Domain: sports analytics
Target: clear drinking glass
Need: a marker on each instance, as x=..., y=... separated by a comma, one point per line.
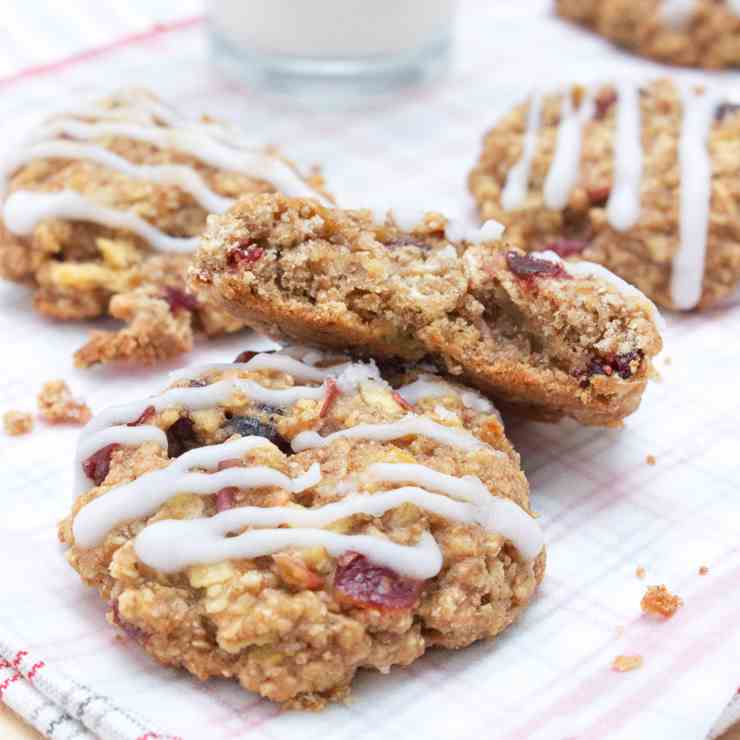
x=350, y=45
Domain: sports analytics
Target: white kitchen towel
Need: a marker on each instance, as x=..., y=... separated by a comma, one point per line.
x=605, y=511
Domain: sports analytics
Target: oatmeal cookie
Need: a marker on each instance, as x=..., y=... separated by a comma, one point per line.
x=702, y=33
x=644, y=180
x=289, y=518
x=102, y=206
x=546, y=339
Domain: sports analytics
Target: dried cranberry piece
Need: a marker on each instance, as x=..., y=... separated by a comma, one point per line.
x=360, y=583
x=244, y=254
x=179, y=300
x=402, y=402
x=181, y=437
x=245, y=356
x=567, y=247
x=599, y=196
x=97, y=466
x=146, y=414
x=603, y=103
x=527, y=267
x=247, y=426
x=226, y=498
x=332, y=393
x=198, y=383
x=724, y=110
x=621, y=364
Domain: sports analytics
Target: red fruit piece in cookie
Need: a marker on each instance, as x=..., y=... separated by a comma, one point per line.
x=226, y=498
x=360, y=583
x=96, y=466
x=146, y=414
x=179, y=300
x=244, y=255
x=526, y=267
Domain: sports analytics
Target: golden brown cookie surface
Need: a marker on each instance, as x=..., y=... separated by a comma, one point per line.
x=547, y=339
x=102, y=207
x=291, y=518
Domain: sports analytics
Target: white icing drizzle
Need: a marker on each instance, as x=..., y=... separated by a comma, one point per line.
x=158, y=545
x=687, y=275
x=408, y=426
x=563, y=172
x=623, y=208
x=196, y=141
x=170, y=546
x=585, y=269
x=517, y=182
x=428, y=386
x=493, y=513
x=138, y=117
x=143, y=496
x=184, y=177
x=24, y=209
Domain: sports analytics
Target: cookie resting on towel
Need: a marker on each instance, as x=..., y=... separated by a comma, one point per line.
x=101, y=209
x=544, y=338
x=644, y=180
x=289, y=518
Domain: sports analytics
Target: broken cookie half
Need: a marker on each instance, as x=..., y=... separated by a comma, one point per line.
x=548, y=339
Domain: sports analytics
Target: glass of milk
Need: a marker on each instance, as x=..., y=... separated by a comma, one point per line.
x=359, y=45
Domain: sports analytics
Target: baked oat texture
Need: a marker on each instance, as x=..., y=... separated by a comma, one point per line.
x=643, y=254
x=546, y=345
x=82, y=270
x=710, y=39
x=283, y=625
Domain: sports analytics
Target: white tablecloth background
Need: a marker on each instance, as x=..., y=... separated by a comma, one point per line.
x=604, y=510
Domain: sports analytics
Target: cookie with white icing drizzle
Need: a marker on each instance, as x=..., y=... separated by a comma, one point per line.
x=101, y=207
x=651, y=192
x=545, y=340
x=289, y=518
x=695, y=33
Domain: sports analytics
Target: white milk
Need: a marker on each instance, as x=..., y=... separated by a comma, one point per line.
x=331, y=29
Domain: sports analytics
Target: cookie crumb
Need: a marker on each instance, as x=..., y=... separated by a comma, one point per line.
x=667, y=361
x=703, y=570
x=624, y=663
x=640, y=572
x=659, y=601
x=17, y=423
x=58, y=406
x=650, y=460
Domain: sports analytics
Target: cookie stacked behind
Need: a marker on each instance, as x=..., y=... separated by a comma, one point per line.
x=697, y=33
x=101, y=209
x=547, y=338
x=291, y=517
x=644, y=180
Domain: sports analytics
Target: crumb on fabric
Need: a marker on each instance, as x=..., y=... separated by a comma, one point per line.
x=659, y=601
x=57, y=405
x=650, y=460
x=17, y=422
x=703, y=570
x=624, y=663
x=667, y=361
x=640, y=572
